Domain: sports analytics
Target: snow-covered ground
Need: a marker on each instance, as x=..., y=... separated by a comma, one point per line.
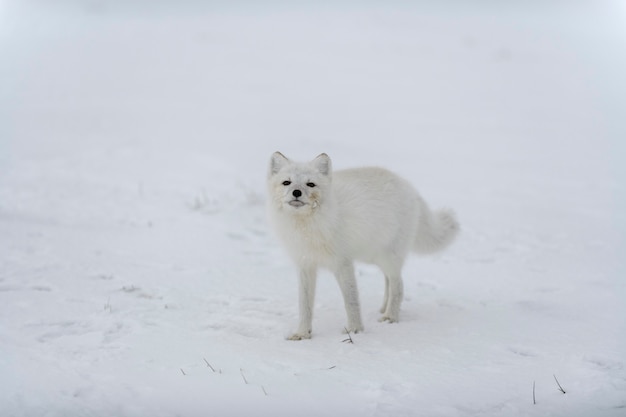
x=134, y=251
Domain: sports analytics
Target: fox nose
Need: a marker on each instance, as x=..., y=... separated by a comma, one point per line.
x=296, y=193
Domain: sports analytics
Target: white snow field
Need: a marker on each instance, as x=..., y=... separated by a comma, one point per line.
x=134, y=247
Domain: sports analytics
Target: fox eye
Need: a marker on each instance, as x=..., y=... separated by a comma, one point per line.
x=286, y=183
x=310, y=184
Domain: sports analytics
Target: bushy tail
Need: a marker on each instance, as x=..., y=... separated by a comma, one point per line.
x=436, y=231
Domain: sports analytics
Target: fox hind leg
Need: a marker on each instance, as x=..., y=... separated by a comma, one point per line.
x=394, y=293
x=385, y=296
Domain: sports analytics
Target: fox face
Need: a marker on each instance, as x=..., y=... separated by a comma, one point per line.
x=298, y=187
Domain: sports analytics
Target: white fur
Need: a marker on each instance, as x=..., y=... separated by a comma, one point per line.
x=363, y=214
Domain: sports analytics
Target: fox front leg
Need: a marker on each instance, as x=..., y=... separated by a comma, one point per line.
x=350, y=292
x=308, y=278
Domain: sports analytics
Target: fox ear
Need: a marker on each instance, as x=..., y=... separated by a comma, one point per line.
x=277, y=162
x=322, y=164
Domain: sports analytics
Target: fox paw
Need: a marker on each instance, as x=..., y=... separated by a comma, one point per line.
x=353, y=329
x=388, y=319
x=300, y=336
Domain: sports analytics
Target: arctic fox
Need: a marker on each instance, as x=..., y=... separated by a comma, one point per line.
x=331, y=219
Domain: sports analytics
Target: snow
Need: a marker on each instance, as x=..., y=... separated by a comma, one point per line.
x=134, y=249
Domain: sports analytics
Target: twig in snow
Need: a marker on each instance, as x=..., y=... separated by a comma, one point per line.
x=264, y=392
x=243, y=376
x=560, y=387
x=349, y=339
x=209, y=365
x=534, y=400
x=181, y=370
x=107, y=306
